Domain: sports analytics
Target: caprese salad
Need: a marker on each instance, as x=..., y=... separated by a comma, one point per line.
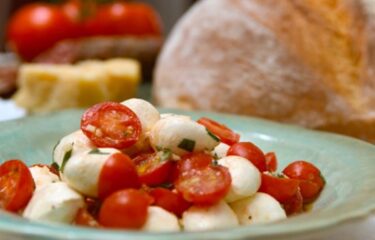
x=129, y=167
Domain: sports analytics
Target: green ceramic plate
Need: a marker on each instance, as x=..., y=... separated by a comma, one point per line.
x=347, y=164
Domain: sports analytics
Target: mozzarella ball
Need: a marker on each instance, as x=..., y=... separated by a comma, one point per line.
x=75, y=142
x=145, y=111
x=220, y=150
x=181, y=135
x=167, y=115
x=43, y=176
x=259, y=208
x=246, y=178
x=148, y=115
x=160, y=220
x=82, y=171
x=55, y=202
x=202, y=218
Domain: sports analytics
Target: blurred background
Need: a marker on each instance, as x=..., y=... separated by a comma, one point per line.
x=169, y=11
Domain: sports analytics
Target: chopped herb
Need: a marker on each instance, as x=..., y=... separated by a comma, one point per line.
x=216, y=157
x=215, y=162
x=166, y=185
x=213, y=135
x=158, y=148
x=55, y=166
x=166, y=155
x=277, y=175
x=67, y=156
x=97, y=151
x=187, y=144
x=54, y=148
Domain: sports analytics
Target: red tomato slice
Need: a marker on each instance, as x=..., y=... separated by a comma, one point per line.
x=251, y=152
x=225, y=134
x=85, y=219
x=310, y=177
x=170, y=201
x=271, y=162
x=125, y=209
x=191, y=161
x=16, y=185
x=204, y=186
x=152, y=169
x=194, y=161
x=118, y=172
x=281, y=188
x=294, y=205
x=111, y=125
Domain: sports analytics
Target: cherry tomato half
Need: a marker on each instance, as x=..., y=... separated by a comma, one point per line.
x=152, y=169
x=125, y=209
x=204, y=186
x=190, y=161
x=271, y=162
x=310, y=177
x=35, y=28
x=85, y=219
x=16, y=185
x=225, y=134
x=170, y=201
x=294, y=204
x=118, y=172
x=281, y=188
x=251, y=152
x=111, y=125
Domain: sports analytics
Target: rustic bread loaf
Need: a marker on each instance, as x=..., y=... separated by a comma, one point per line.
x=308, y=62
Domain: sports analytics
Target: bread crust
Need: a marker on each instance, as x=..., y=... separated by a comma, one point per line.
x=305, y=62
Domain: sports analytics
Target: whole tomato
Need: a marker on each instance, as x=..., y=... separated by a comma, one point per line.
x=36, y=27
x=120, y=18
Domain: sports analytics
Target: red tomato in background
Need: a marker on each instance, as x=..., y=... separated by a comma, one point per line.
x=309, y=176
x=170, y=201
x=16, y=185
x=225, y=134
x=112, y=125
x=36, y=27
x=251, y=152
x=271, y=161
x=204, y=186
x=152, y=169
x=120, y=18
x=118, y=172
x=281, y=188
x=125, y=209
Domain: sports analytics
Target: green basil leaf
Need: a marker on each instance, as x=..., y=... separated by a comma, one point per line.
x=187, y=144
x=97, y=151
x=166, y=155
x=55, y=166
x=66, y=158
x=166, y=185
x=213, y=136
